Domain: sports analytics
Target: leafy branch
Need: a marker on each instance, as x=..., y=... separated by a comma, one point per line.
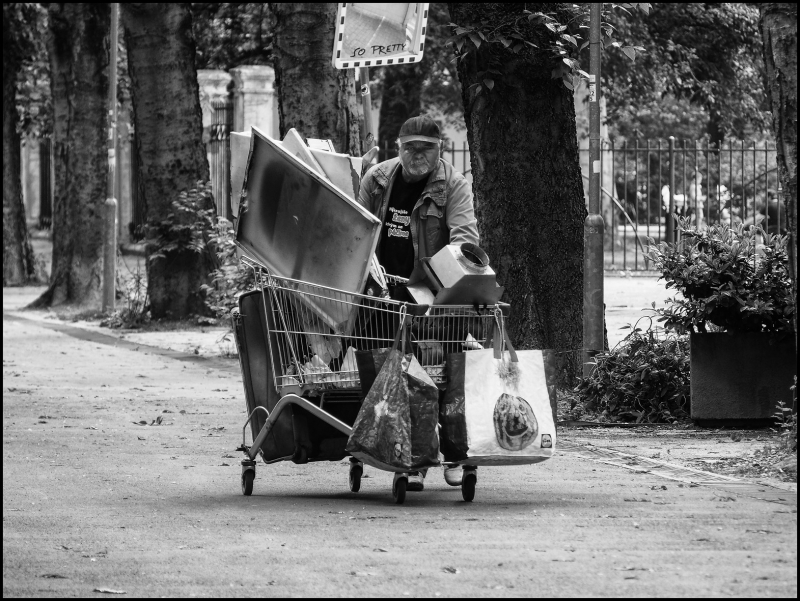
x=567, y=41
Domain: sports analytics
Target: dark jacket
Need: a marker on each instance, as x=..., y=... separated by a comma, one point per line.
x=444, y=212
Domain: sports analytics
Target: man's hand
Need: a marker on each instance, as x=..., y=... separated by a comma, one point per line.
x=369, y=159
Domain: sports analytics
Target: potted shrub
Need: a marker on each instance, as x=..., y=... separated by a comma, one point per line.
x=736, y=304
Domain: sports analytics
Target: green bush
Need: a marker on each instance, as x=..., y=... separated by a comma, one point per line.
x=230, y=278
x=645, y=378
x=728, y=278
x=188, y=227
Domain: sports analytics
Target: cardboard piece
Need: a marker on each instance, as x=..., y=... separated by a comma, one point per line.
x=240, y=149
x=343, y=170
x=294, y=143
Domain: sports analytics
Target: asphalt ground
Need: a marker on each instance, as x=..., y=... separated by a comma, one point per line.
x=95, y=500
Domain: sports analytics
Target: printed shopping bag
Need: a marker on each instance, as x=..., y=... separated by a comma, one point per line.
x=395, y=429
x=497, y=406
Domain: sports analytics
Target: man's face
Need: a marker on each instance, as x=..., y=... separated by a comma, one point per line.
x=419, y=158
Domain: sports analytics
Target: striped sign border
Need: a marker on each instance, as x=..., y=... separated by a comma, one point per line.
x=398, y=59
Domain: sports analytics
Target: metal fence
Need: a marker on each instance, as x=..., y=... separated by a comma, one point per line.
x=645, y=181
x=219, y=155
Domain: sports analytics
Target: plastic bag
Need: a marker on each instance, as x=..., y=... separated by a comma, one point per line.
x=498, y=406
x=395, y=429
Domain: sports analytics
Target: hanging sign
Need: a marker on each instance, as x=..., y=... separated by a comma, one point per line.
x=373, y=35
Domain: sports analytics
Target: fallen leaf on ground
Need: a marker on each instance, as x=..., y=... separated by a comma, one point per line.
x=378, y=549
x=110, y=591
x=450, y=570
x=53, y=576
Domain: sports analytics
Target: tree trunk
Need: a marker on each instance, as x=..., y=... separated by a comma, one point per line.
x=527, y=185
x=313, y=97
x=401, y=99
x=170, y=151
x=79, y=58
x=18, y=264
x=779, y=31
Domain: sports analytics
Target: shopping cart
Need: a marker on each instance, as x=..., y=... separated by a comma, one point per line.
x=297, y=343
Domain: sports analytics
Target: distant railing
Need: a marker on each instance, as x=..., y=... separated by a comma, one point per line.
x=643, y=182
x=219, y=153
x=736, y=182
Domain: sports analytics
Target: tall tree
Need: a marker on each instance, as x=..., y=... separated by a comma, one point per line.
x=79, y=59
x=693, y=53
x=172, y=158
x=232, y=34
x=779, y=30
x=313, y=97
x=526, y=173
x=20, y=23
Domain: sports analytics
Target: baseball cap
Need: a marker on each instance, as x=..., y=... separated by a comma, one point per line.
x=422, y=129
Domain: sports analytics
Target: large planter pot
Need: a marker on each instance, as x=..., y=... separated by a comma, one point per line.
x=740, y=376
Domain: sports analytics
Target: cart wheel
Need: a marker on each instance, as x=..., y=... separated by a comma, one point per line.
x=355, y=477
x=468, y=487
x=247, y=482
x=399, y=490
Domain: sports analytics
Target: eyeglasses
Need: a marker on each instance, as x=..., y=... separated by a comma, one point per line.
x=415, y=147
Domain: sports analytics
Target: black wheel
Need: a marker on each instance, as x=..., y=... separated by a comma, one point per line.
x=247, y=482
x=468, y=487
x=399, y=490
x=355, y=477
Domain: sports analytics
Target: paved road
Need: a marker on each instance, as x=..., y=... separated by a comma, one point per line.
x=93, y=500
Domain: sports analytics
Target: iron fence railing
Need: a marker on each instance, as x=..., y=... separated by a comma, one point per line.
x=643, y=182
x=219, y=154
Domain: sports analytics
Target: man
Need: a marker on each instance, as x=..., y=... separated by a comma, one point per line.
x=424, y=204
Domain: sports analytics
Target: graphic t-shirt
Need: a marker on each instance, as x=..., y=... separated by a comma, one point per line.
x=396, y=250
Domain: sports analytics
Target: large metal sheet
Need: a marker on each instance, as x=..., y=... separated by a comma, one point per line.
x=300, y=226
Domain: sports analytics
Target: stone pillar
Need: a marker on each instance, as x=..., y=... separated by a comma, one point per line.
x=214, y=85
x=254, y=99
x=29, y=176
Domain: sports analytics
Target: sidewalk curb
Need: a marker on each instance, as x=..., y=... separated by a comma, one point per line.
x=230, y=366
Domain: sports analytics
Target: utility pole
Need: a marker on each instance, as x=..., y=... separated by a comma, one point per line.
x=366, y=102
x=593, y=226
x=110, y=222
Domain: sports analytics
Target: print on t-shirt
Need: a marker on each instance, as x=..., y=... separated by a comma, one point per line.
x=396, y=248
x=399, y=224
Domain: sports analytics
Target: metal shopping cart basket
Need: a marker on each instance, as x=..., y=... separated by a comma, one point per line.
x=296, y=344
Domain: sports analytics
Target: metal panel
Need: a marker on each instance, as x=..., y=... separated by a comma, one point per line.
x=342, y=169
x=298, y=225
